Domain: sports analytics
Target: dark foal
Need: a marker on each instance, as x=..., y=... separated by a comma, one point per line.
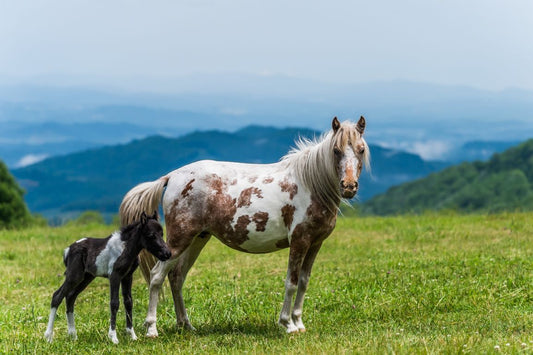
x=114, y=257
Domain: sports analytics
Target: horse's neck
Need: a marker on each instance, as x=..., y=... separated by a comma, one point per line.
x=316, y=171
x=132, y=245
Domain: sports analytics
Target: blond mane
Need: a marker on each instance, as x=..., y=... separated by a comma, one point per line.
x=313, y=161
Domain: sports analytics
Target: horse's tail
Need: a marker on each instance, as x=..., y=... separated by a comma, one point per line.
x=144, y=197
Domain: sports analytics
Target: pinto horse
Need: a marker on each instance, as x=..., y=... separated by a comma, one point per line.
x=254, y=208
x=114, y=257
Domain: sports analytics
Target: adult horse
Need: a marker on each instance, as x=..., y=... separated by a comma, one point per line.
x=254, y=208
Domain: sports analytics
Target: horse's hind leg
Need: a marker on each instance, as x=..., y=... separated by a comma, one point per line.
x=157, y=277
x=178, y=275
x=71, y=299
x=305, y=274
x=73, y=276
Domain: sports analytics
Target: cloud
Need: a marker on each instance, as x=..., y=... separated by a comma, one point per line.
x=30, y=159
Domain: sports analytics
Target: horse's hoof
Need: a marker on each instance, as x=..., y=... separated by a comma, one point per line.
x=49, y=337
x=301, y=330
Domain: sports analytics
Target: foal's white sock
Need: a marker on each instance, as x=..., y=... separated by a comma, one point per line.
x=49, y=334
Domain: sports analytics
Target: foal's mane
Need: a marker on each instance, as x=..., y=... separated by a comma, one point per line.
x=313, y=161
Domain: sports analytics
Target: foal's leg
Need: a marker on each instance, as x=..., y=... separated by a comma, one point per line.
x=305, y=273
x=178, y=275
x=70, y=299
x=73, y=276
x=128, y=303
x=114, y=286
x=298, y=250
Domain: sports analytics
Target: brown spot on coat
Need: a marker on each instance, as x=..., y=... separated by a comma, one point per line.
x=241, y=229
x=287, y=212
x=260, y=219
x=291, y=188
x=252, y=179
x=245, y=198
x=187, y=188
x=268, y=180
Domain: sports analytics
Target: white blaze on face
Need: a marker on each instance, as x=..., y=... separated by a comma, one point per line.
x=349, y=166
x=107, y=257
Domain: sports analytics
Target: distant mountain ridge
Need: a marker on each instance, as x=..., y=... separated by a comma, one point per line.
x=503, y=183
x=98, y=178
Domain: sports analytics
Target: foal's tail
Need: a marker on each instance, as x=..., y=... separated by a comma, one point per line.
x=144, y=197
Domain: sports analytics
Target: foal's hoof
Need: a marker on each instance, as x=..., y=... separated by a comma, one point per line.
x=112, y=334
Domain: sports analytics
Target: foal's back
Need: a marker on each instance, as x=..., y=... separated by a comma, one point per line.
x=99, y=254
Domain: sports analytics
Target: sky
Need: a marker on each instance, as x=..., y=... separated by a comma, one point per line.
x=149, y=45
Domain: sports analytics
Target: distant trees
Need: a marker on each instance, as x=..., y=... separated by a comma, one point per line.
x=504, y=183
x=13, y=210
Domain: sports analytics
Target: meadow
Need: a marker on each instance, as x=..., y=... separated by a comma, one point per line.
x=435, y=283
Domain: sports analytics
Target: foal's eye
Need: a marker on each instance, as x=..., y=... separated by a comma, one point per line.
x=362, y=151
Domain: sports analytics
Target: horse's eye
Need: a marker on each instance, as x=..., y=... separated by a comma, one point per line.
x=362, y=151
x=337, y=151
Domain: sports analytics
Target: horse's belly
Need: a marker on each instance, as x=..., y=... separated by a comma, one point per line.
x=254, y=235
x=264, y=243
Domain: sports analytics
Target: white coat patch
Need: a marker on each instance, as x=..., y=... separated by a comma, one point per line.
x=107, y=257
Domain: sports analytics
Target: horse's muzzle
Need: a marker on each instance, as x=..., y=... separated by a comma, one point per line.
x=349, y=190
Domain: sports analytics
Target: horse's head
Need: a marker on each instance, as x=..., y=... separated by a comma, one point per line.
x=152, y=237
x=351, y=153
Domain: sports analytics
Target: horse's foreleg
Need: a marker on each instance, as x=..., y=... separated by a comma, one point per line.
x=128, y=304
x=178, y=275
x=305, y=274
x=298, y=250
x=114, y=286
x=157, y=277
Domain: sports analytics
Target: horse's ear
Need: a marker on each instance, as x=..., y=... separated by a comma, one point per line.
x=144, y=218
x=155, y=216
x=335, y=124
x=361, y=124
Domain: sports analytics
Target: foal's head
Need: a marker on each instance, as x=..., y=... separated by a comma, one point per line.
x=351, y=153
x=151, y=237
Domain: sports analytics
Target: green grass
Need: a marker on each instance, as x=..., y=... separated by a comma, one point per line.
x=436, y=283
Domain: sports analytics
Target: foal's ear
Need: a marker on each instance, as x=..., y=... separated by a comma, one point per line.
x=361, y=124
x=144, y=218
x=335, y=124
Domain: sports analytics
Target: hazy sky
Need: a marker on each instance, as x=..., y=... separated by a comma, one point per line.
x=482, y=43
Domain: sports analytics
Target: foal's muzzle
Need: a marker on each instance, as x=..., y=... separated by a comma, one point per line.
x=165, y=255
x=349, y=189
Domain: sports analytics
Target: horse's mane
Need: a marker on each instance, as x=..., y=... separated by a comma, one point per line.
x=313, y=161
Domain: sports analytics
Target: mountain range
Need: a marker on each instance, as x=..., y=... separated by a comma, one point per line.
x=98, y=178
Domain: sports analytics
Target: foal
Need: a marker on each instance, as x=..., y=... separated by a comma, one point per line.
x=114, y=257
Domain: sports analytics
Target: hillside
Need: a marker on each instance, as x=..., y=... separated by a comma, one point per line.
x=99, y=178
x=505, y=182
x=13, y=211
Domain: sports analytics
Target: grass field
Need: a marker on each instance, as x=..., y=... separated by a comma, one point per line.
x=437, y=283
